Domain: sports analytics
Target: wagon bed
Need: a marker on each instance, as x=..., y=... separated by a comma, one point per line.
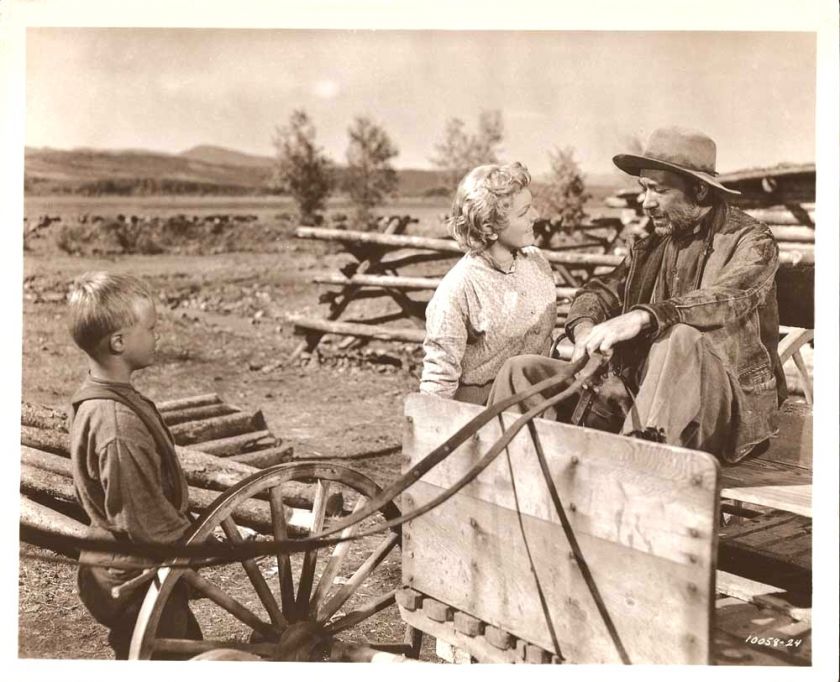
x=679, y=586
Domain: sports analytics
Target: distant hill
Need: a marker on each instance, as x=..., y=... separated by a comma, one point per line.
x=226, y=157
x=94, y=172
x=205, y=169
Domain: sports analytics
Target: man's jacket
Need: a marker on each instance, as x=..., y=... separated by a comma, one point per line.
x=731, y=299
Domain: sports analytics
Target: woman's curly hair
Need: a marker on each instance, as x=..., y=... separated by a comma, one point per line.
x=482, y=200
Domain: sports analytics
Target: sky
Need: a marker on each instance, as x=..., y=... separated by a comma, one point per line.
x=171, y=89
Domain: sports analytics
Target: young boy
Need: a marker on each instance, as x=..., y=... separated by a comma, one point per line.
x=125, y=469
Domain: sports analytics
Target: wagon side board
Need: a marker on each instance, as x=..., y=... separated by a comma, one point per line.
x=644, y=515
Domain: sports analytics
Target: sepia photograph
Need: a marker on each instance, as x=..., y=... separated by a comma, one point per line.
x=377, y=333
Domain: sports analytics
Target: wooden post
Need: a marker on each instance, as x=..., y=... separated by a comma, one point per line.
x=363, y=330
x=345, y=296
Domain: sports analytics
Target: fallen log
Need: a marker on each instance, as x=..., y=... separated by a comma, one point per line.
x=214, y=473
x=41, y=517
x=262, y=459
x=235, y=445
x=46, y=461
x=215, y=428
x=201, y=471
x=188, y=414
x=35, y=481
x=195, y=408
x=252, y=513
x=43, y=439
x=42, y=417
x=184, y=403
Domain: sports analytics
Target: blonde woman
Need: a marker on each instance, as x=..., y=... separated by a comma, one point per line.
x=499, y=299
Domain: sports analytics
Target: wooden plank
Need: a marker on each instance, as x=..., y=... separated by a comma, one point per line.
x=780, y=215
x=405, y=282
x=481, y=567
x=742, y=588
x=773, y=548
x=763, y=472
x=792, y=498
x=355, y=329
x=648, y=508
x=450, y=246
x=650, y=497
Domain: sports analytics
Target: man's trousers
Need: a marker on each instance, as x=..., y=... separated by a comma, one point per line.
x=685, y=392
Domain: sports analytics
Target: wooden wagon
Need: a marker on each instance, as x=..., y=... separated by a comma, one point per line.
x=661, y=555
x=643, y=572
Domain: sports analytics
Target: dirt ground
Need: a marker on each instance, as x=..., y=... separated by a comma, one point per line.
x=221, y=330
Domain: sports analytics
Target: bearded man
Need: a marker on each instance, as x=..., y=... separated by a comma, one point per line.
x=689, y=318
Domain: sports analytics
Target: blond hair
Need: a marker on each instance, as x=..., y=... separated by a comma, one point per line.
x=482, y=200
x=101, y=303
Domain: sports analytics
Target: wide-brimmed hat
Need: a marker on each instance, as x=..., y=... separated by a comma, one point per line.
x=680, y=150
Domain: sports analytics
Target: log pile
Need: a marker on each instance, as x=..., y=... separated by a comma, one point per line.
x=239, y=445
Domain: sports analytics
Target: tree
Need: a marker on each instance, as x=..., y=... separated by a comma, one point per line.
x=565, y=195
x=460, y=152
x=302, y=169
x=370, y=177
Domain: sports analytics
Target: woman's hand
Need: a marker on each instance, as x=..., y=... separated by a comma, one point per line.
x=602, y=337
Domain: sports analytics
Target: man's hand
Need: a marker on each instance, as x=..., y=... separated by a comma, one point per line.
x=581, y=332
x=602, y=337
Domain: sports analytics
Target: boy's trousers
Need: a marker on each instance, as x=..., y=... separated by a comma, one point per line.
x=120, y=615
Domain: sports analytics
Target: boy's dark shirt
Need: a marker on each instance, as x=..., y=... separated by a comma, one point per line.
x=127, y=477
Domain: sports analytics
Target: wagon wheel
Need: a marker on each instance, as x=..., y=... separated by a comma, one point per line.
x=284, y=607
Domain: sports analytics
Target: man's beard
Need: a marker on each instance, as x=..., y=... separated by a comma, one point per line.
x=681, y=220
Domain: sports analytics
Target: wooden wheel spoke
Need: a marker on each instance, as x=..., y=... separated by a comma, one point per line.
x=310, y=558
x=228, y=603
x=356, y=616
x=255, y=576
x=322, y=593
x=346, y=591
x=199, y=646
x=284, y=566
x=333, y=566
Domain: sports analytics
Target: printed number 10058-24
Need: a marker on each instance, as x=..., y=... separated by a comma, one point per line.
x=772, y=641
